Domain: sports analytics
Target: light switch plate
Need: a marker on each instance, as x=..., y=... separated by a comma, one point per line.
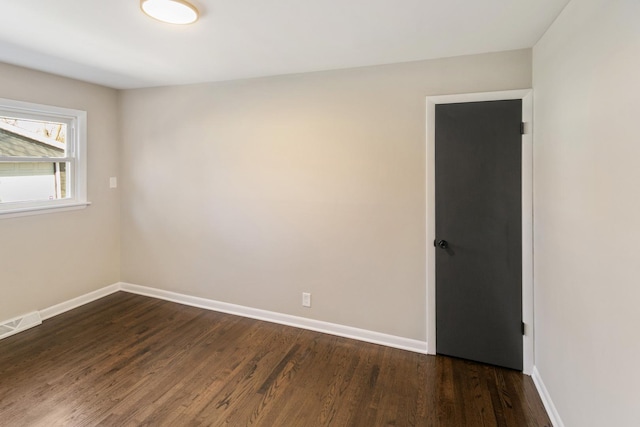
x=306, y=299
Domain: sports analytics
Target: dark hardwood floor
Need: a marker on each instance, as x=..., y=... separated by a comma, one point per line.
x=128, y=360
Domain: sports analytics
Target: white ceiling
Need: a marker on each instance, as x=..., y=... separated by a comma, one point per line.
x=111, y=42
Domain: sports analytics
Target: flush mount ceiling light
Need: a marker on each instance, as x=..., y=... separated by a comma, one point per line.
x=170, y=11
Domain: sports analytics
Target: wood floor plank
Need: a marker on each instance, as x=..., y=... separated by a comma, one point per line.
x=129, y=360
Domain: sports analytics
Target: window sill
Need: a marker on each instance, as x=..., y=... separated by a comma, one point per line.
x=39, y=210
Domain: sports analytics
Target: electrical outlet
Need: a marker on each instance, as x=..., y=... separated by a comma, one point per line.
x=306, y=299
x=113, y=182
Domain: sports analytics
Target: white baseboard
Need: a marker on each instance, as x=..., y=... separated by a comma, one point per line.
x=52, y=311
x=27, y=321
x=283, y=319
x=223, y=307
x=546, y=399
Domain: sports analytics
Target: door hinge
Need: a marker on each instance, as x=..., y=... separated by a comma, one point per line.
x=522, y=128
x=522, y=326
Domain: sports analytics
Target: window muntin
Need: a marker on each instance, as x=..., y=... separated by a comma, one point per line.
x=42, y=157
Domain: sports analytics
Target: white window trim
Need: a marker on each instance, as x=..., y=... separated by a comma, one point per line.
x=78, y=121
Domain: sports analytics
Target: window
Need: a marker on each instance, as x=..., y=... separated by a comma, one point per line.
x=42, y=158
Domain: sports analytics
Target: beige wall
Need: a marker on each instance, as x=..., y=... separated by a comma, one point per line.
x=251, y=192
x=51, y=258
x=587, y=212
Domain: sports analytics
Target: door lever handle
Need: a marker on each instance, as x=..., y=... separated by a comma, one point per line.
x=443, y=244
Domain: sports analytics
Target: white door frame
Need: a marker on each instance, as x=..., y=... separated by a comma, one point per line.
x=527, y=212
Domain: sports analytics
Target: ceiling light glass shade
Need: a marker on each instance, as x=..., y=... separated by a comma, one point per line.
x=170, y=11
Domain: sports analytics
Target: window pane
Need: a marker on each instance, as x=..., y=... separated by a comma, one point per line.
x=32, y=138
x=42, y=158
x=35, y=181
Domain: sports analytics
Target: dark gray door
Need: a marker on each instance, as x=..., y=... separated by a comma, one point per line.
x=479, y=231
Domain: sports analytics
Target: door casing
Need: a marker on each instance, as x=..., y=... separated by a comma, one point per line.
x=527, y=212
